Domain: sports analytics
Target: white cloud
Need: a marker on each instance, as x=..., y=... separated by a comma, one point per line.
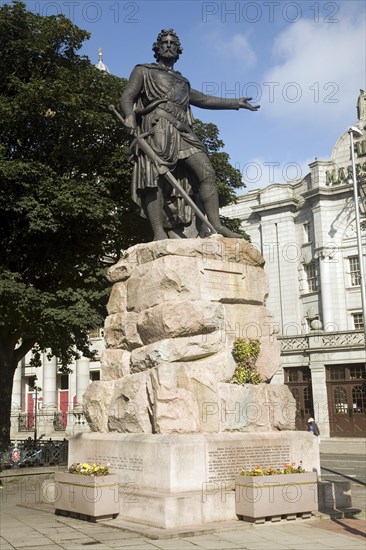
x=319, y=71
x=236, y=48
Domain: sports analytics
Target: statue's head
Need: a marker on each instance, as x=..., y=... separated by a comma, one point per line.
x=167, y=45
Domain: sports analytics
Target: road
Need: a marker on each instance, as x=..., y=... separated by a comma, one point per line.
x=337, y=467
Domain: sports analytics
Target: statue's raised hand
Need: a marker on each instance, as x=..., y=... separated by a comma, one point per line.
x=243, y=103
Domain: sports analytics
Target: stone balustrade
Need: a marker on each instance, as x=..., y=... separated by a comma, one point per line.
x=320, y=340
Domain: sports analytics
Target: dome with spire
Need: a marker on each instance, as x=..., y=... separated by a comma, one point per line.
x=100, y=65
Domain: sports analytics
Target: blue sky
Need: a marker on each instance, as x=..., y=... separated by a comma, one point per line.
x=302, y=61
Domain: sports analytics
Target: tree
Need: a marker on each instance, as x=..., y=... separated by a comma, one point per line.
x=64, y=191
x=228, y=178
x=60, y=151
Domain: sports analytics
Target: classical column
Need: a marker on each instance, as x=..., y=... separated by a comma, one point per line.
x=49, y=387
x=82, y=380
x=320, y=398
x=326, y=294
x=16, y=398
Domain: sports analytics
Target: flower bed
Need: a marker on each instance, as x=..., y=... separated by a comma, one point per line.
x=262, y=494
x=87, y=491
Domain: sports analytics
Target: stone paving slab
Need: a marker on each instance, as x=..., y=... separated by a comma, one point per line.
x=25, y=525
x=351, y=527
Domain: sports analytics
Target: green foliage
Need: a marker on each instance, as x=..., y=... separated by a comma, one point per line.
x=65, y=201
x=64, y=185
x=246, y=353
x=246, y=350
x=292, y=468
x=228, y=178
x=245, y=374
x=85, y=469
x=65, y=205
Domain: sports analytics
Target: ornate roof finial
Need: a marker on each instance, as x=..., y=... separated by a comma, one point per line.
x=100, y=65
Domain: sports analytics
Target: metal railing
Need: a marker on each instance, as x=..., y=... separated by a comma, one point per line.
x=26, y=421
x=28, y=453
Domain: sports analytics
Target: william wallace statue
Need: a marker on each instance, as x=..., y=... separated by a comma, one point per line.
x=156, y=105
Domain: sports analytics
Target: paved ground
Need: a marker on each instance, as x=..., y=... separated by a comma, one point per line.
x=25, y=526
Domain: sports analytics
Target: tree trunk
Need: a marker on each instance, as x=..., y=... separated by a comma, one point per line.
x=8, y=364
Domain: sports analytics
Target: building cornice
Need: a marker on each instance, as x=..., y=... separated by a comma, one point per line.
x=328, y=192
x=285, y=205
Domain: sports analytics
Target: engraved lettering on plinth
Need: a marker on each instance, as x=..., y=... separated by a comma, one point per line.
x=224, y=277
x=225, y=463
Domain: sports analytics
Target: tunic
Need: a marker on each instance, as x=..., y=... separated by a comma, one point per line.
x=164, y=97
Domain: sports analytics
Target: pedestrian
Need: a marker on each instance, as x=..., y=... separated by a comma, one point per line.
x=313, y=428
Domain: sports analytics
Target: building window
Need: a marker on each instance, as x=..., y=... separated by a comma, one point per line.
x=344, y=374
x=64, y=382
x=357, y=372
x=340, y=400
x=358, y=399
x=291, y=375
x=297, y=374
x=311, y=276
x=354, y=270
x=32, y=383
x=357, y=321
x=306, y=231
x=308, y=400
x=337, y=373
x=94, y=375
x=96, y=333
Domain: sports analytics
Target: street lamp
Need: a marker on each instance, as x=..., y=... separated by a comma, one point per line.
x=37, y=389
x=357, y=132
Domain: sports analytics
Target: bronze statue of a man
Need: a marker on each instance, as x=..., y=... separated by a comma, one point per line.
x=162, y=97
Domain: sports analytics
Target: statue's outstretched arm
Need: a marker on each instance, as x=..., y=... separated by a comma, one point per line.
x=199, y=99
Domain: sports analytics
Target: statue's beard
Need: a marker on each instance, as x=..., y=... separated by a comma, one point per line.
x=169, y=56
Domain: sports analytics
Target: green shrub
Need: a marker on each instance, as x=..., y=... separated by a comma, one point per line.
x=246, y=353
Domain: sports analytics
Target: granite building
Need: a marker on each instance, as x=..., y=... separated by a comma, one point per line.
x=306, y=231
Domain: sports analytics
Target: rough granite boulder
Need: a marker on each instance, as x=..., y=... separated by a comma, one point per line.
x=115, y=364
x=175, y=309
x=96, y=403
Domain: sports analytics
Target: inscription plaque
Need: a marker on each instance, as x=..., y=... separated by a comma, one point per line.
x=124, y=463
x=224, y=276
x=225, y=463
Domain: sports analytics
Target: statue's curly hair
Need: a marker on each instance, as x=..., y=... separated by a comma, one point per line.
x=161, y=35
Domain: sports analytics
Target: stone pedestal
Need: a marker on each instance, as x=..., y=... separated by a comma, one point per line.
x=170, y=423
x=173, y=481
x=175, y=309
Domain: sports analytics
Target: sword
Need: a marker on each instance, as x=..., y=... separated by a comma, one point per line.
x=164, y=171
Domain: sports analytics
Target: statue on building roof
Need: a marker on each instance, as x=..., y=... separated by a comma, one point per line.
x=361, y=105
